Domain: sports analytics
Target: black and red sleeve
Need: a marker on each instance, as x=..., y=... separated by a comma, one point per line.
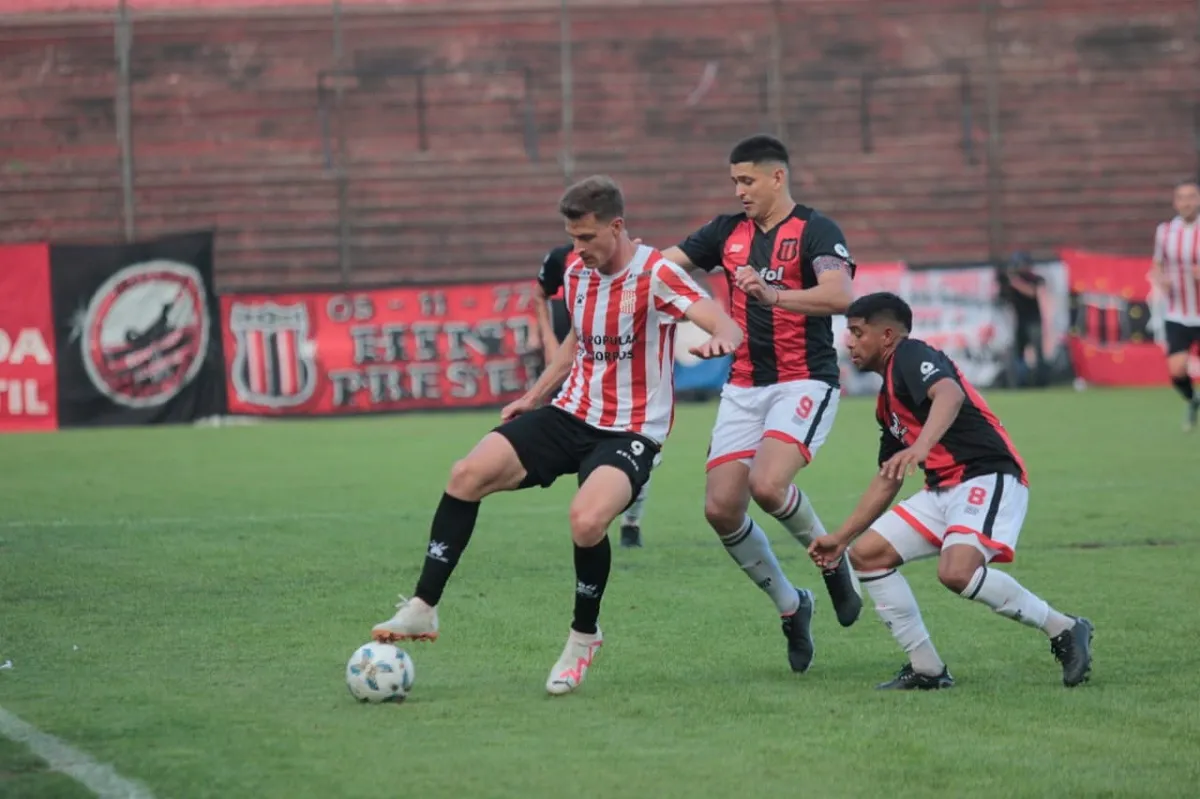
x=917, y=366
x=705, y=247
x=824, y=245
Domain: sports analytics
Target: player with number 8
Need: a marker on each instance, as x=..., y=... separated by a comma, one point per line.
x=968, y=515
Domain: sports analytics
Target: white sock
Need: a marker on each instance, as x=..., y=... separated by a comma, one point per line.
x=798, y=517
x=633, y=515
x=749, y=547
x=1006, y=596
x=897, y=607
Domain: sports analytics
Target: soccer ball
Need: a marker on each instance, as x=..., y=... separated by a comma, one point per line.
x=379, y=673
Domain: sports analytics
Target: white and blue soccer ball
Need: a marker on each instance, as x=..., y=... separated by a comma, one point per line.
x=379, y=673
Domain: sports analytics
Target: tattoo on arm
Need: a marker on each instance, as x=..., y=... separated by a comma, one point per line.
x=828, y=263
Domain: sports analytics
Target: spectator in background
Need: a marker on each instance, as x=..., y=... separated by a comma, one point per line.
x=1024, y=290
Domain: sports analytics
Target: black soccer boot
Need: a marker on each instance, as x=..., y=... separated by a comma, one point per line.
x=847, y=604
x=1193, y=410
x=908, y=680
x=631, y=536
x=797, y=629
x=1073, y=649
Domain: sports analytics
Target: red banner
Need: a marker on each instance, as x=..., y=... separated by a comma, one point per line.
x=28, y=379
x=409, y=348
x=1108, y=343
x=1115, y=275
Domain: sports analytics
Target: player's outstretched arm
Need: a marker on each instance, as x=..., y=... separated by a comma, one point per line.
x=678, y=256
x=551, y=378
x=947, y=399
x=878, y=497
x=708, y=315
x=556, y=371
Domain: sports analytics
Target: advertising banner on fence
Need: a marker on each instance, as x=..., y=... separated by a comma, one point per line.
x=136, y=332
x=1111, y=342
x=954, y=309
x=390, y=349
x=28, y=385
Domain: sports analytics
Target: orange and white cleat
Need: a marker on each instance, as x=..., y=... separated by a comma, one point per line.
x=415, y=620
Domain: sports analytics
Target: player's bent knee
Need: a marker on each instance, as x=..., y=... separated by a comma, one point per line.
x=492, y=466
x=957, y=566
x=588, y=524
x=769, y=493
x=872, y=552
x=954, y=577
x=468, y=480
x=723, y=516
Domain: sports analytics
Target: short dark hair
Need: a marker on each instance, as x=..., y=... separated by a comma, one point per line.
x=1179, y=184
x=760, y=149
x=881, y=305
x=599, y=195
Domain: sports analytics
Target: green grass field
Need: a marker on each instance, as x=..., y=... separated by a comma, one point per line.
x=180, y=604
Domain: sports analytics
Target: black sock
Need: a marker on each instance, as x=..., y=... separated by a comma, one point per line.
x=451, y=532
x=592, y=565
x=1184, y=386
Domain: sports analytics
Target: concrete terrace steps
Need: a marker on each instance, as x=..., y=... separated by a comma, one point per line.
x=228, y=131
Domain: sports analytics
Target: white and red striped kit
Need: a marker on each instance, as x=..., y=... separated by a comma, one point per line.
x=1177, y=249
x=623, y=377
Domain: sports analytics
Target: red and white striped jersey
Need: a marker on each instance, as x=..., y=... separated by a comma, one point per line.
x=1177, y=249
x=623, y=377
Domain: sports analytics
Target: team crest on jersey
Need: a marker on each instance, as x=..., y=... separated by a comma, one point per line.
x=628, y=301
x=788, y=250
x=273, y=363
x=898, y=430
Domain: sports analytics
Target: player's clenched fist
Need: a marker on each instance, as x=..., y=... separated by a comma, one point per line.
x=750, y=281
x=826, y=551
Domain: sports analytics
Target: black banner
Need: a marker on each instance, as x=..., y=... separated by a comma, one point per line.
x=136, y=326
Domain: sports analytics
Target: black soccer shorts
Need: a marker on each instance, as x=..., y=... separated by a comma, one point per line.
x=1181, y=338
x=551, y=442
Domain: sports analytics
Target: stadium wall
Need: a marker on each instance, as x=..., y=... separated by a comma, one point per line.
x=429, y=141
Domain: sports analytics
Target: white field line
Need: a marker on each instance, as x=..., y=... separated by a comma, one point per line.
x=99, y=778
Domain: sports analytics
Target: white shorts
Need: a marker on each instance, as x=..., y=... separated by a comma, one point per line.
x=800, y=412
x=985, y=512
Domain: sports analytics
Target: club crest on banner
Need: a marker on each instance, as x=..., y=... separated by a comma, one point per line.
x=144, y=333
x=273, y=362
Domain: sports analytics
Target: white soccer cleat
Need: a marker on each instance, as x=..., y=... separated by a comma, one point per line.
x=573, y=663
x=414, y=621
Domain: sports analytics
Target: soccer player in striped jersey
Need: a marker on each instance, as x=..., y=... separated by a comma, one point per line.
x=554, y=324
x=789, y=271
x=968, y=515
x=1176, y=274
x=606, y=423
